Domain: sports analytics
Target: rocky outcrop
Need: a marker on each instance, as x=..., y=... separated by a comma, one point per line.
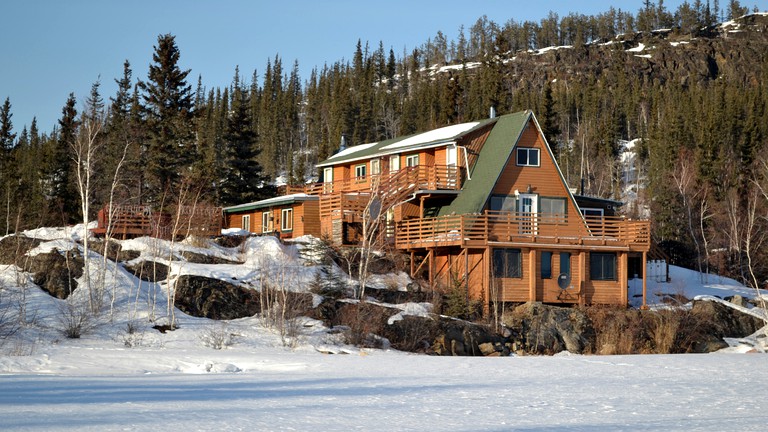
x=56, y=272
x=14, y=247
x=717, y=321
x=543, y=329
x=215, y=299
x=198, y=258
x=150, y=271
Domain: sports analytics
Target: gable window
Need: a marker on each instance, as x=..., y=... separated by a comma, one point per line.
x=360, y=172
x=266, y=222
x=602, y=266
x=412, y=160
x=286, y=220
x=592, y=212
x=546, y=265
x=507, y=263
x=527, y=156
x=375, y=166
x=246, y=223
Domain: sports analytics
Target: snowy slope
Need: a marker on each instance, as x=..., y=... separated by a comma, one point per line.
x=111, y=379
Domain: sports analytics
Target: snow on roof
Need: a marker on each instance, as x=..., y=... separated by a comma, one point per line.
x=443, y=133
x=353, y=150
x=272, y=201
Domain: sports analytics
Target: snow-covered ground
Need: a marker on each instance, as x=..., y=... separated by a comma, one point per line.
x=113, y=379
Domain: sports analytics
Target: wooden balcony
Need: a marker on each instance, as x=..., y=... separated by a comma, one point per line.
x=423, y=177
x=130, y=221
x=510, y=228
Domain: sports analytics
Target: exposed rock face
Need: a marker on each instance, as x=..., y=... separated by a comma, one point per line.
x=461, y=338
x=719, y=321
x=149, y=271
x=55, y=272
x=550, y=329
x=13, y=248
x=212, y=298
x=205, y=259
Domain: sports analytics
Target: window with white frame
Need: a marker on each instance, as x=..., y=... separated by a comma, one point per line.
x=266, y=222
x=412, y=160
x=553, y=206
x=360, y=172
x=375, y=166
x=286, y=220
x=394, y=163
x=527, y=156
x=246, y=223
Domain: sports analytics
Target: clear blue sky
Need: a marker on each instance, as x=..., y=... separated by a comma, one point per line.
x=50, y=48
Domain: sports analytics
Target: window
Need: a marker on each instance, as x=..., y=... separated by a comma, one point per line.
x=394, y=163
x=507, y=263
x=266, y=222
x=412, y=160
x=546, y=265
x=286, y=220
x=527, y=156
x=565, y=263
x=553, y=206
x=246, y=223
x=602, y=266
x=360, y=172
x=592, y=212
x=503, y=203
x=375, y=166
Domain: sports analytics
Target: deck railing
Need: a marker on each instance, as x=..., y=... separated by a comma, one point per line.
x=139, y=220
x=427, y=177
x=516, y=227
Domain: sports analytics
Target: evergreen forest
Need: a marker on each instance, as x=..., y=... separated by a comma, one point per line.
x=691, y=92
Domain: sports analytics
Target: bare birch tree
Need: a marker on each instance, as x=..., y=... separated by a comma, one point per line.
x=85, y=151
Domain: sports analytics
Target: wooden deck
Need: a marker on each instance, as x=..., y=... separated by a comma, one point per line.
x=420, y=177
x=131, y=221
x=509, y=228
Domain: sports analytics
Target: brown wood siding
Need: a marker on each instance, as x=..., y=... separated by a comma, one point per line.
x=474, y=143
x=544, y=179
x=607, y=292
x=306, y=219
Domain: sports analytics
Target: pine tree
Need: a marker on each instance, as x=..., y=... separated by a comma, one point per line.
x=242, y=180
x=61, y=193
x=168, y=105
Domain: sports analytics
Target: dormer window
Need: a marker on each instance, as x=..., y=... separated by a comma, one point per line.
x=527, y=156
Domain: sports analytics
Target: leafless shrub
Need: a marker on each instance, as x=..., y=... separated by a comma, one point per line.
x=75, y=319
x=132, y=336
x=412, y=334
x=364, y=322
x=618, y=331
x=663, y=327
x=218, y=337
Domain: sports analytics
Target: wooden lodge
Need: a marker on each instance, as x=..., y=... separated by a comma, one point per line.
x=481, y=204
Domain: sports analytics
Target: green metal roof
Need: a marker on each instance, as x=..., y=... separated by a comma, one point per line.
x=271, y=202
x=489, y=165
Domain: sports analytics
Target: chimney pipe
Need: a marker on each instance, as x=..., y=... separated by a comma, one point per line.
x=493, y=112
x=343, y=145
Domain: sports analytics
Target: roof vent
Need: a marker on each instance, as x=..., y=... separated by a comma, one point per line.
x=493, y=112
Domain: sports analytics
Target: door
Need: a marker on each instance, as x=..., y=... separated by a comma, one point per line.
x=328, y=180
x=451, y=159
x=528, y=207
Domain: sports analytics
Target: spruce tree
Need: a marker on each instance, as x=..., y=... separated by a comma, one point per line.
x=243, y=180
x=168, y=106
x=61, y=194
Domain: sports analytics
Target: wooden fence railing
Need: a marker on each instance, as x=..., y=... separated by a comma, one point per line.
x=512, y=227
x=137, y=220
x=432, y=177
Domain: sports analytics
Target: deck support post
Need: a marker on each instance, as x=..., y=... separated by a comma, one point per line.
x=645, y=279
x=623, y=277
x=532, y=275
x=582, y=278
